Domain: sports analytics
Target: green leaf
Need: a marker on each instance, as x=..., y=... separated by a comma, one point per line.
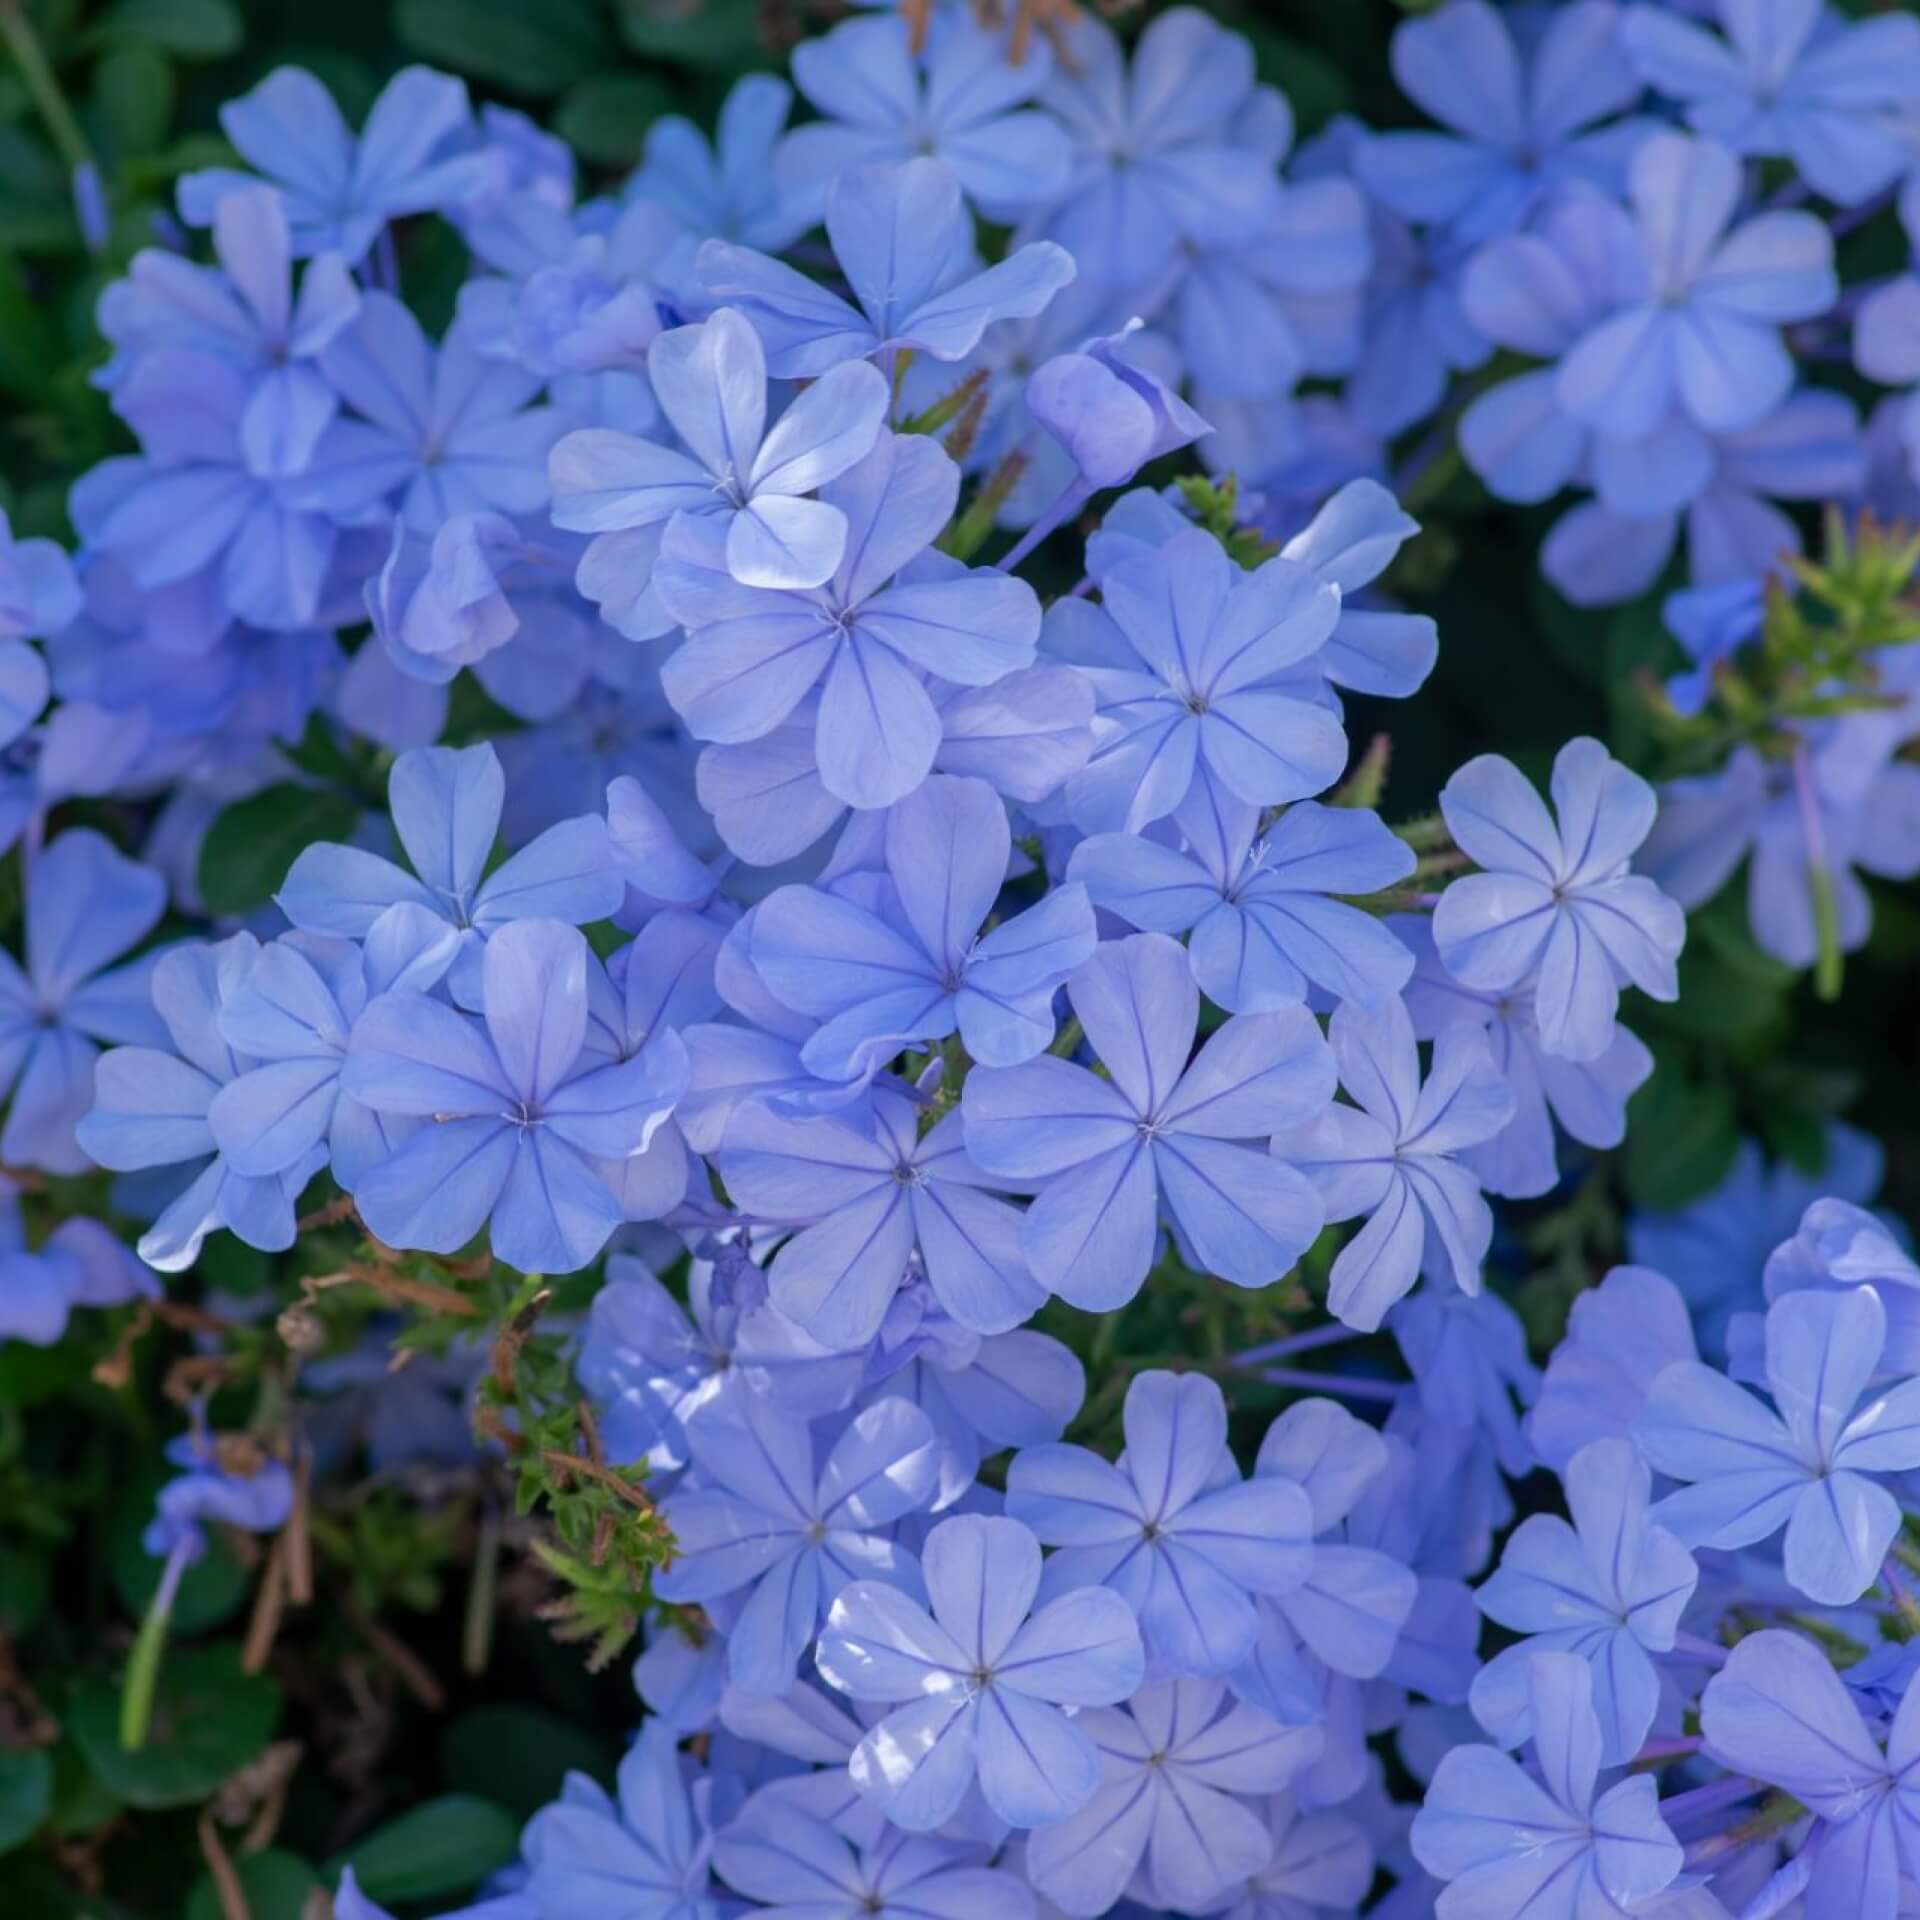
x=719, y=36
x=606, y=116
x=210, y=1591
x=82, y=1803
x=23, y=1591
x=26, y=1794
x=276, y=1885
x=133, y=99
x=526, y=50
x=518, y=1756
x=190, y=29
x=252, y=843
x=436, y=1849
x=1315, y=86
x=30, y=348
x=210, y=1718
x=1682, y=1135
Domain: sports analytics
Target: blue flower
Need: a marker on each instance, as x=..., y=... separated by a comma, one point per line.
x=1808, y=1466
x=904, y=239
x=244, y=312
x=227, y=1480
x=727, y=188
x=1154, y=163
x=1394, y=1157
x=521, y=1120
x=87, y=905
x=199, y=509
x=1556, y=905
x=798, y=1865
x=984, y=1683
x=1262, y=912
x=1196, y=668
x=1544, y=1849
x=757, y=1519
x=890, y=613
x=341, y=190
x=151, y=1106
x=645, y=1855
x=446, y=431
x=1779, y=1712
x=1789, y=81
x=1521, y=122
x=295, y=1017
x=1110, y=413
x=1106, y=1152
x=752, y=482
x=920, y=969
x=1703, y=335
x=81, y=1263
x=446, y=806
x=1611, y=1587
x=1585, y=1099
x=874, y=1201
x=959, y=99
x=1182, y=1762
x=1173, y=1529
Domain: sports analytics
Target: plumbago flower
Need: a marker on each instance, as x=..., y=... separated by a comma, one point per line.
x=1702, y=338
x=1521, y=125
x=905, y=241
x=340, y=191
x=1395, y=1157
x=1106, y=1152
x=446, y=804
x=1778, y=1711
x=891, y=613
x=1789, y=81
x=984, y=1683
x=1556, y=905
x=755, y=1520
x=88, y=906
x=920, y=969
x=960, y=100
x=1507, y=1843
x=1267, y=913
x=1180, y=1763
x=1195, y=667
x=1809, y=1463
x=520, y=1118
x=1172, y=1530
x=152, y=1108
x=1611, y=1587
x=751, y=480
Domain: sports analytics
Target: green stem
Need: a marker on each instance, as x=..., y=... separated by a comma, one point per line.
x=30, y=57
x=143, y=1666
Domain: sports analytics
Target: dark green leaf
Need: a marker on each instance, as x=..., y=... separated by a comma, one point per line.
x=250, y=846
x=518, y=1756
x=606, y=116
x=26, y=1793
x=1682, y=1135
x=526, y=50
x=720, y=36
x=209, y=1720
x=29, y=344
x=190, y=29
x=434, y=1850
x=276, y=1885
x=23, y=1590
x=82, y=1803
x=133, y=99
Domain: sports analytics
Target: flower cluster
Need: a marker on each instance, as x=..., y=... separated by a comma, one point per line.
x=752, y=769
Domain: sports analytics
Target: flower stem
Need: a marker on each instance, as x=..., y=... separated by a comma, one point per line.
x=37, y=74
x=1826, y=925
x=1333, y=1383
x=143, y=1665
x=1076, y=496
